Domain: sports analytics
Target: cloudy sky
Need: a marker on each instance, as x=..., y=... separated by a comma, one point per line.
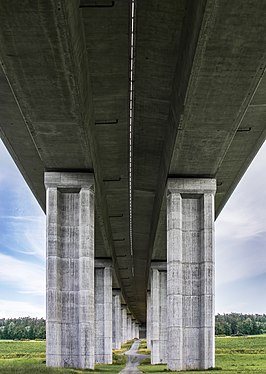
x=22, y=245
x=240, y=245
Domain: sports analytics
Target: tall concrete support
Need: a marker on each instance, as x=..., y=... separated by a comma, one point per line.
x=70, y=270
x=117, y=316
x=129, y=326
x=124, y=323
x=158, y=313
x=190, y=273
x=134, y=329
x=137, y=330
x=103, y=311
x=148, y=320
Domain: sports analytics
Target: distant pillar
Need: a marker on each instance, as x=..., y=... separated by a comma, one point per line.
x=137, y=330
x=129, y=327
x=158, y=313
x=116, y=319
x=190, y=273
x=148, y=320
x=124, y=323
x=134, y=329
x=70, y=264
x=103, y=311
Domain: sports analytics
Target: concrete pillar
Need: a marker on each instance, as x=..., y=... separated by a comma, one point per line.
x=124, y=323
x=190, y=273
x=148, y=321
x=163, y=318
x=158, y=313
x=137, y=330
x=103, y=311
x=133, y=329
x=117, y=316
x=70, y=264
x=129, y=327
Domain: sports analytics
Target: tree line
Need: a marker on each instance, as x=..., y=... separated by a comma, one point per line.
x=22, y=328
x=240, y=324
x=225, y=324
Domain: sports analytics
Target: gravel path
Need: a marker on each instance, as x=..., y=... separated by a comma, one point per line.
x=133, y=360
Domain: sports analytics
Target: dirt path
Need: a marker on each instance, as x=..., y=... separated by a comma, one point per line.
x=133, y=360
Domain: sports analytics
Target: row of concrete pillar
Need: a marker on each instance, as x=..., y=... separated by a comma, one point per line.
x=114, y=325
x=84, y=319
x=125, y=327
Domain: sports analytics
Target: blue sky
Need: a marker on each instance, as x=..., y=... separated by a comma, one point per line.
x=22, y=245
x=240, y=245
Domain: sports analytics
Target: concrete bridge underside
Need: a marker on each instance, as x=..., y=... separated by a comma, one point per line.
x=199, y=105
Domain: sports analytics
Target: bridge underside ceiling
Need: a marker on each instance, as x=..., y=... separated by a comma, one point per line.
x=199, y=107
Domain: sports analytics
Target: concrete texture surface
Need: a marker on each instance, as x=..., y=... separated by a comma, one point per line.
x=129, y=327
x=190, y=273
x=155, y=316
x=159, y=336
x=70, y=266
x=117, y=319
x=103, y=312
x=148, y=320
x=124, y=323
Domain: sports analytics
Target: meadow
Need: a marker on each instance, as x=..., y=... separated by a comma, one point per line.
x=28, y=357
x=234, y=355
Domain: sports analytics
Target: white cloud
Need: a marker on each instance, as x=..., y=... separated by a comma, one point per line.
x=239, y=263
x=28, y=235
x=15, y=309
x=27, y=277
x=22, y=282
x=239, y=223
x=241, y=234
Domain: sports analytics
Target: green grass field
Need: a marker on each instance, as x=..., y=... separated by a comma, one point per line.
x=28, y=357
x=234, y=355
